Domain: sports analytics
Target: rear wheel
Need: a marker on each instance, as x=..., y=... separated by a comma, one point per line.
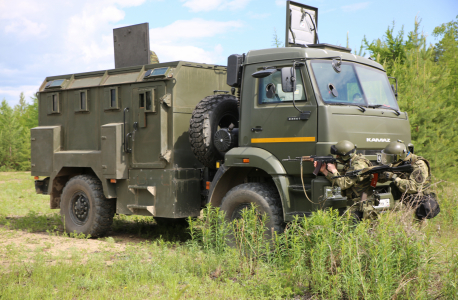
x=84, y=208
x=266, y=199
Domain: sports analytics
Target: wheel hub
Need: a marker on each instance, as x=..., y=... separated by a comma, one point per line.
x=79, y=209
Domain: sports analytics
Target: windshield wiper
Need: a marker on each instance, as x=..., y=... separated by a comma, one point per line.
x=385, y=106
x=350, y=104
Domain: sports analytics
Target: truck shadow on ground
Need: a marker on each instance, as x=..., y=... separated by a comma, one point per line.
x=125, y=229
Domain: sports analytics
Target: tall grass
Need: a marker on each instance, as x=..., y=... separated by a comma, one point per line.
x=325, y=256
x=330, y=257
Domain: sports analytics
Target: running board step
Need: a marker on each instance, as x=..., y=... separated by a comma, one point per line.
x=134, y=208
x=151, y=189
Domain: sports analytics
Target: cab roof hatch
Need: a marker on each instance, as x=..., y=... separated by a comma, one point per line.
x=302, y=28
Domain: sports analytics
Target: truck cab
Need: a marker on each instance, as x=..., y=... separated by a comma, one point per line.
x=338, y=96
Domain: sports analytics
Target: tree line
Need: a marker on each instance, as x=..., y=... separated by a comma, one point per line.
x=15, y=125
x=427, y=76
x=427, y=90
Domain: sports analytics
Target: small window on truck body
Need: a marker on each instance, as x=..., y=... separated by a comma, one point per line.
x=146, y=100
x=53, y=103
x=112, y=98
x=81, y=99
x=280, y=96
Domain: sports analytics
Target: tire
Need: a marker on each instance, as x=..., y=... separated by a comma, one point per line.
x=211, y=112
x=264, y=196
x=94, y=214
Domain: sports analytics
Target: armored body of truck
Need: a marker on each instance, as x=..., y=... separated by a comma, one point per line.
x=164, y=140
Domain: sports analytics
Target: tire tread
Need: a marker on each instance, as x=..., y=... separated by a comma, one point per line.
x=104, y=208
x=270, y=193
x=206, y=154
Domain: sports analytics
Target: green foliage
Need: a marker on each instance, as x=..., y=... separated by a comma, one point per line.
x=446, y=51
x=15, y=125
x=392, y=48
x=427, y=90
x=325, y=256
x=276, y=42
x=330, y=256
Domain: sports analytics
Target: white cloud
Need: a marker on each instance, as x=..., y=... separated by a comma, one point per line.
x=194, y=28
x=178, y=40
x=258, y=16
x=55, y=37
x=25, y=27
x=280, y=2
x=208, y=5
x=66, y=36
x=13, y=92
x=355, y=7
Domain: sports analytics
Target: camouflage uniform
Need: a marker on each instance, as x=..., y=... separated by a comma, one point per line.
x=419, y=181
x=414, y=189
x=153, y=58
x=353, y=187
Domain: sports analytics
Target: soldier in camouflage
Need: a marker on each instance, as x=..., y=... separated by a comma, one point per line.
x=356, y=189
x=413, y=188
x=153, y=58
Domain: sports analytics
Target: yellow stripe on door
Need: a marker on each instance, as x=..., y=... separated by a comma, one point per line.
x=284, y=140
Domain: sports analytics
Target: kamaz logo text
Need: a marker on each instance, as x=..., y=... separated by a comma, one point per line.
x=377, y=140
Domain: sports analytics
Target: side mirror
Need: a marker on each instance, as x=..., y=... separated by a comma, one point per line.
x=263, y=73
x=288, y=79
x=395, y=89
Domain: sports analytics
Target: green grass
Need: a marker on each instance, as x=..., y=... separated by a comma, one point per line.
x=321, y=257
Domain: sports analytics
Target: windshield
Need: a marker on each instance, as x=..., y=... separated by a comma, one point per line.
x=354, y=85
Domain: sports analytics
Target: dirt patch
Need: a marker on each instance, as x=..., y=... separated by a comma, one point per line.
x=29, y=244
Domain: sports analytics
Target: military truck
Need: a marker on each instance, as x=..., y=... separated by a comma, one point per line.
x=164, y=140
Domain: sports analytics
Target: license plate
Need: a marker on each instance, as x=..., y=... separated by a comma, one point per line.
x=383, y=203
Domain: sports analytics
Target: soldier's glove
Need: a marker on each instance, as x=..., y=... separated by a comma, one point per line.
x=388, y=175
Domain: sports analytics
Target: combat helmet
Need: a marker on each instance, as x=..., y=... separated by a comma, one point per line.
x=344, y=149
x=396, y=149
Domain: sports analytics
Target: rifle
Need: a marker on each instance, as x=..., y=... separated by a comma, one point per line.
x=376, y=170
x=320, y=161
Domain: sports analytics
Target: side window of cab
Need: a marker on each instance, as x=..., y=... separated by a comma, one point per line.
x=273, y=83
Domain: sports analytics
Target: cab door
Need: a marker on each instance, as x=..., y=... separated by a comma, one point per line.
x=275, y=124
x=149, y=132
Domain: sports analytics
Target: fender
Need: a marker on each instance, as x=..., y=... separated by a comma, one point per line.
x=234, y=172
x=258, y=158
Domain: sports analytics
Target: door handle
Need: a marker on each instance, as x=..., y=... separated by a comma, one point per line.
x=126, y=135
x=256, y=129
x=135, y=129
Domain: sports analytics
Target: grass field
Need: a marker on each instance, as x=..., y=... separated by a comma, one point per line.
x=322, y=257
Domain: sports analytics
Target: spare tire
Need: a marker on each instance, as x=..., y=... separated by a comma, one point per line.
x=212, y=112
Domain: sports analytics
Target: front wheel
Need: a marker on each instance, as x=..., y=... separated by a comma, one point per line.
x=84, y=208
x=266, y=199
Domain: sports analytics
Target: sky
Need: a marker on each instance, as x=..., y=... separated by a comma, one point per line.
x=48, y=37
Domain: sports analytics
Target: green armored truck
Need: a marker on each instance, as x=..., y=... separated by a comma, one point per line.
x=164, y=140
